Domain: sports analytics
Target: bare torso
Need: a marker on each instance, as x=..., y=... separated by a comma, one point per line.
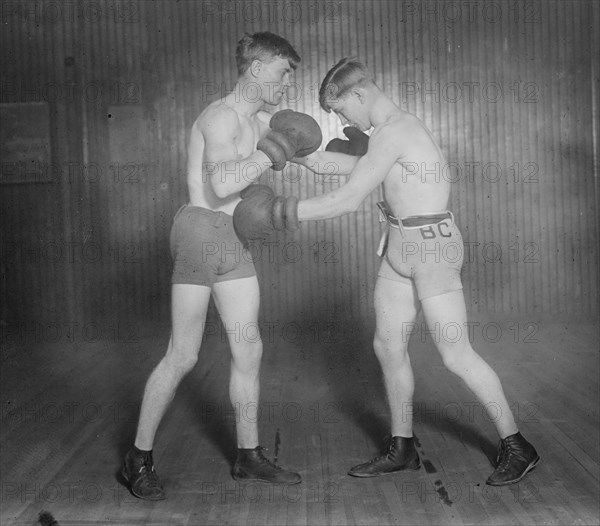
x=247, y=132
x=417, y=183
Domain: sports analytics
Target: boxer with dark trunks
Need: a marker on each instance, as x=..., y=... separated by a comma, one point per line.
x=232, y=143
x=422, y=257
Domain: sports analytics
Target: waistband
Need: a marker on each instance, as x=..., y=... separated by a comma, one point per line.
x=411, y=221
x=217, y=216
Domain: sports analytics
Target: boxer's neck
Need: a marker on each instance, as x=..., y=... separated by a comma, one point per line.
x=245, y=97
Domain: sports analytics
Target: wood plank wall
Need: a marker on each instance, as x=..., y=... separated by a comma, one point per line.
x=506, y=87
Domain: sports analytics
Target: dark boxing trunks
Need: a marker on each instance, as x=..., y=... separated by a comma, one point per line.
x=205, y=248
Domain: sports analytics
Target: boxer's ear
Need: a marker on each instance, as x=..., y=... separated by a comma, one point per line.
x=255, y=67
x=359, y=93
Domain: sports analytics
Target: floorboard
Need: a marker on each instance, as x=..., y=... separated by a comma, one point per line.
x=69, y=412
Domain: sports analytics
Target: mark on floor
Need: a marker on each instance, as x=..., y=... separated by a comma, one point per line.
x=429, y=467
x=442, y=492
x=45, y=518
x=277, y=444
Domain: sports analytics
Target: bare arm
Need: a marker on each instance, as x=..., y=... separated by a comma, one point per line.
x=228, y=171
x=369, y=172
x=328, y=163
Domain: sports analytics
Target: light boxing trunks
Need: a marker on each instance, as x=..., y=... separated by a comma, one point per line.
x=425, y=251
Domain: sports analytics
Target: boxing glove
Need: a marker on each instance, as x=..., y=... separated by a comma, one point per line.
x=357, y=143
x=260, y=212
x=292, y=134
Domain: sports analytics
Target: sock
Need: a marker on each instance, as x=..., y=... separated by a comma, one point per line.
x=141, y=451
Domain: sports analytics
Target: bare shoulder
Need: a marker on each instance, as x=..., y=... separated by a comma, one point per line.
x=401, y=134
x=216, y=117
x=398, y=127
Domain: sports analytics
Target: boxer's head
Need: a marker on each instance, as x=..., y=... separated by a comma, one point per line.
x=267, y=60
x=345, y=90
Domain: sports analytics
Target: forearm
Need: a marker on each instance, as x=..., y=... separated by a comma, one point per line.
x=326, y=206
x=328, y=163
x=230, y=177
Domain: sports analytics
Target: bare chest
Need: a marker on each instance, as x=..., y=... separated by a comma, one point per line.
x=250, y=132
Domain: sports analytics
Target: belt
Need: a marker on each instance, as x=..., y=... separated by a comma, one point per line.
x=218, y=218
x=411, y=221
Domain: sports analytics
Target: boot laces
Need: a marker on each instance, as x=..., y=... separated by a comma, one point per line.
x=389, y=447
x=387, y=451
x=505, y=456
x=147, y=468
x=265, y=460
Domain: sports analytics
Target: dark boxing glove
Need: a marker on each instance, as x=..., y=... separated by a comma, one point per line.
x=260, y=212
x=292, y=134
x=357, y=143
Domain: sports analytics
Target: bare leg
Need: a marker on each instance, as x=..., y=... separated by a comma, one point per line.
x=189, y=305
x=446, y=315
x=395, y=310
x=238, y=302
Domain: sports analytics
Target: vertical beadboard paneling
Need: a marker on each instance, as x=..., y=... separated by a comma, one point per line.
x=174, y=55
x=40, y=222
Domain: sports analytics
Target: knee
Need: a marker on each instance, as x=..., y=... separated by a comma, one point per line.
x=180, y=363
x=388, y=353
x=246, y=357
x=452, y=363
x=458, y=360
x=381, y=348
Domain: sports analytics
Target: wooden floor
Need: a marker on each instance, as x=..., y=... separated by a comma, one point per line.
x=69, y=410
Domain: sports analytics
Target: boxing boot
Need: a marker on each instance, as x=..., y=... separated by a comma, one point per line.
x=251, y=464
x=516, y=457
x=400, y=455
x=138, y=471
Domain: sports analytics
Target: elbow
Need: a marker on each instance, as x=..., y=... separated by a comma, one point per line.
x=351, y=205
x=220, y=189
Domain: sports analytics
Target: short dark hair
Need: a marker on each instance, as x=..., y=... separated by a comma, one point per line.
x=263, y=46
x=341, y=78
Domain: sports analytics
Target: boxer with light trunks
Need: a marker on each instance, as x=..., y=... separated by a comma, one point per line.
x=422, y=257
x=232, y=143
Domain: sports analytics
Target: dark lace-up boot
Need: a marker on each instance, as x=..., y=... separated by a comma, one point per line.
x=400, y=455
x=516, y=457
x=251, y=464
x=138, y=471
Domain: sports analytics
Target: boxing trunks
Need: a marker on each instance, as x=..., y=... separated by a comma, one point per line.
x=205, y=248
x=424, y=251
